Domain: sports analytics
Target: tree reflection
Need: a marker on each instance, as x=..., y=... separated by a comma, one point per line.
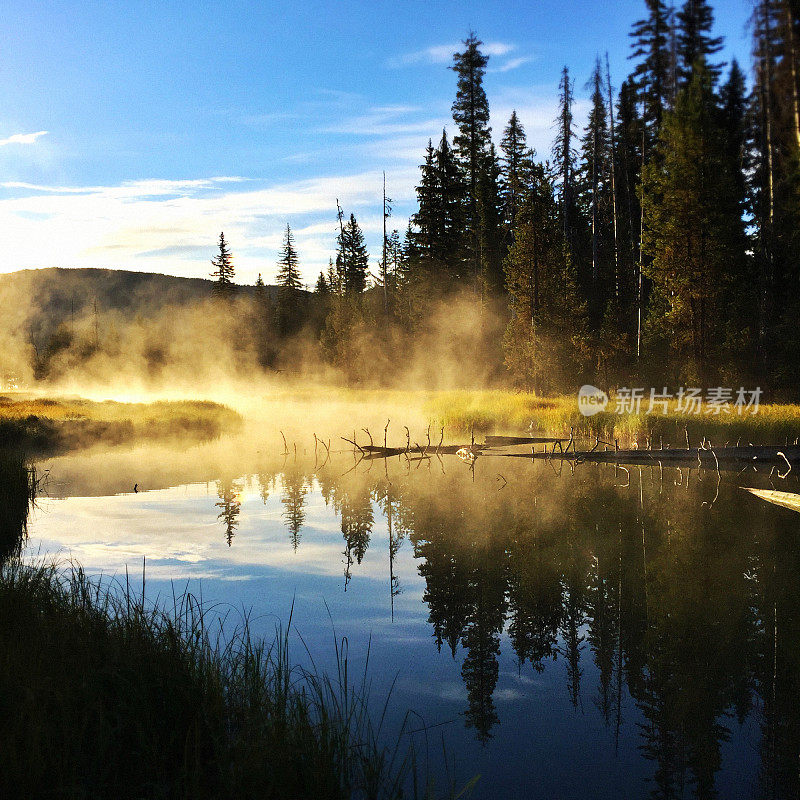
x=18, y=488
x=691, y=612
x=293, y=498
x=229, y=493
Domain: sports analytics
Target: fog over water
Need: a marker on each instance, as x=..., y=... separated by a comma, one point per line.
x=621, y=633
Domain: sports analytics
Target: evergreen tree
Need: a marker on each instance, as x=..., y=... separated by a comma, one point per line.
x=471, y=115
x=774, y=178
x=629, y=138
x=596, y=190
x=564, y=158
x=425, y=220
x=290, y=294
x=733, y=119
x=545, y=342
x=693, y=227
x=438, y=226
x=652, y=74
x=263, y=324
x=694, y=39
x=224, y=271
x=352, y=259
x=491, y=247
x=516, y=160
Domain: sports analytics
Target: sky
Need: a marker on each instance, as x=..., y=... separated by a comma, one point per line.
x=132, y=133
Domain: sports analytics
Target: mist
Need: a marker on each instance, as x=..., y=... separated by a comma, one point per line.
x=227, y=349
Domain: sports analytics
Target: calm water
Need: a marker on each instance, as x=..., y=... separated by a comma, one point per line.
x=585, y=633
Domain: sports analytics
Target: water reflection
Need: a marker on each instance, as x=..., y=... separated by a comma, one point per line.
x=656, y=607
x=18, y=485
x=230, y=504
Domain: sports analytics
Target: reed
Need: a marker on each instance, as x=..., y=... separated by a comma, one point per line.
x=105, y=695
x=514, y=412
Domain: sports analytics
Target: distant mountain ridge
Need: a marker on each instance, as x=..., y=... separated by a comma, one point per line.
x=53, y=295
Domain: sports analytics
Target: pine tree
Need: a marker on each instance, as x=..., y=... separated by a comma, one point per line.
x=516, y=160
x=224, y=271
x=629, y=138
x=545, y=342
x=352, y=259
x=438, y=226
x=694, y=39
x=733, y=118
x=425, y=219
x=564, y=158
x=491, y=246
x=693, y=228
x=471, y=115
x=652, y=75
x=290, y=293
x=774, y=184
x=595, y=186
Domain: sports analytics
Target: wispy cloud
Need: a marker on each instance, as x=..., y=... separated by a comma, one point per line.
x=443, y=53
x=23, y=138
x=512, y=63
x=171, y=225
x=386, y=121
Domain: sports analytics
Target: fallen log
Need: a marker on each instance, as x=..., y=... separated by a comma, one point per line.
x=376, y=451
x=789, y=500
x=705, y=457
x=512, y=441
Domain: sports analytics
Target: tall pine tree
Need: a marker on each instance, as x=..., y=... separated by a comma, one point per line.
x=694, y=24
x=471, y=115
x=290, y=295
x=223, y=269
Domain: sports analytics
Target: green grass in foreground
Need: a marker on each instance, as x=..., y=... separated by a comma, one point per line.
x=103, y=696
x=512, y=412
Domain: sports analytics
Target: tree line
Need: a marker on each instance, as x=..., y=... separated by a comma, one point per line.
x=657, y=243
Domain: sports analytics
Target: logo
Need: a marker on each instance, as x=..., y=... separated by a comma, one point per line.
x=591, y=400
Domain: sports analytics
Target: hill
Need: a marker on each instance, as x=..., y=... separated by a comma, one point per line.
x=39, y=300
x=59, y=292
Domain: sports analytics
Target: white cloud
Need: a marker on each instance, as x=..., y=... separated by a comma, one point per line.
x=387, y=121
x=443, y=53
x=23, y=138
x=171, y=226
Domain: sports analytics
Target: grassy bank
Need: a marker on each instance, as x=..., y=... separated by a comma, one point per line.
x=53, y=424
x=102, y=695
x=512, y=412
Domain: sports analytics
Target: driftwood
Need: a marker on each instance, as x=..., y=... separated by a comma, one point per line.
x=376, y=451
x=511, y=441
x=786, y=499
x=709, y=457
x=705, y=456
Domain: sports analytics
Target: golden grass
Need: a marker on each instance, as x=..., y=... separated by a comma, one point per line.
x=519, y=412
x=74, y=422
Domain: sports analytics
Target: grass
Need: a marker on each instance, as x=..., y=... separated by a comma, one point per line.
x=103, y=695
x=517, y=412
x=43, y=423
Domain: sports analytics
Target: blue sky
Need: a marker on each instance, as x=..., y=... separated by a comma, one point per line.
x=131, y=133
